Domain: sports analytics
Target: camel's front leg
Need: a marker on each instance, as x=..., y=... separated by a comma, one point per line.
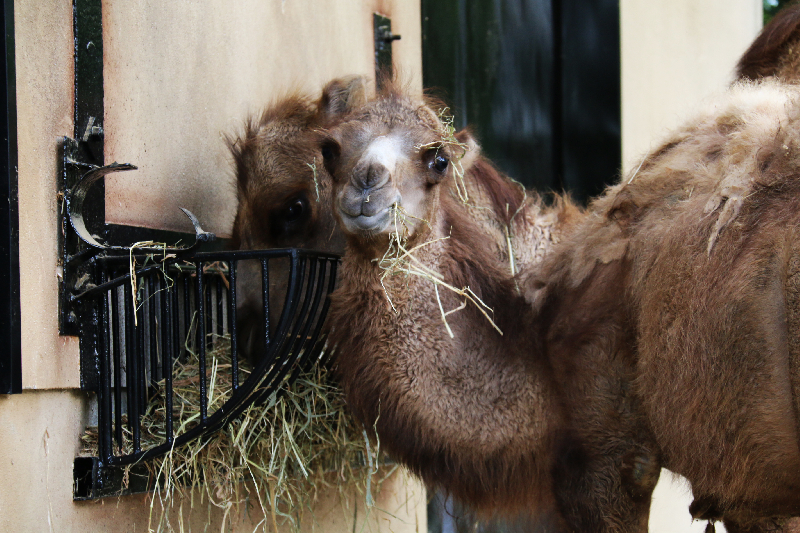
x=603, y=490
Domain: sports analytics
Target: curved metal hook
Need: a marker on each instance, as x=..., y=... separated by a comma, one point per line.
x=77, y=195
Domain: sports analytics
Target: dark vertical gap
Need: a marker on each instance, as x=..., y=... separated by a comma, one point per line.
x=493, y=61
x=10, y=330
x=104, y=403
x=557, y=110
x=591, y=108
x=116, y=328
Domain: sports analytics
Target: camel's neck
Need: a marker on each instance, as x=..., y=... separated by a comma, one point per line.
x=514, y=222
x=479, y=399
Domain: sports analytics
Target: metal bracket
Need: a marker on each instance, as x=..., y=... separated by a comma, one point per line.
x=383, y=36
x=83, y=228
x=74, y=200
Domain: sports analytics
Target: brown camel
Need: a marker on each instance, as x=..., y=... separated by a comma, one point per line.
x=482, y=414
x=281, y=184
x=712, y=308
x=284, y=194
x=278, y=207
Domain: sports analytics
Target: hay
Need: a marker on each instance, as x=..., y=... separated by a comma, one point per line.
x=399, y=260
x=274, y=458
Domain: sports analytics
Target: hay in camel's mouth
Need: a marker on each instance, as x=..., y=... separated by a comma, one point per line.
x=274, y=458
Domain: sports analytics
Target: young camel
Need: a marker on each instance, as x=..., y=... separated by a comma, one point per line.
x=712, y=309
x=482, y=414
x=278, y=205
x=284, y=194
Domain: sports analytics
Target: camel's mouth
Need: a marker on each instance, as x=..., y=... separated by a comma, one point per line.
x=368, y=224
x=367, y=212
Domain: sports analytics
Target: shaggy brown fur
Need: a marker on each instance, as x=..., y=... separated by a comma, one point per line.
x=487, y=417
x=776, y=50
x=715, y=329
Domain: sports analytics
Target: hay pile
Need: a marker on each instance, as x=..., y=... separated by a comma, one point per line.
x=274, y=458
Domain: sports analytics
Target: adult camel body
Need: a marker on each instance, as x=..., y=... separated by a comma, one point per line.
x=710, y=296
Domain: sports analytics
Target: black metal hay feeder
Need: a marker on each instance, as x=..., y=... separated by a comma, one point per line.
x=133, y=334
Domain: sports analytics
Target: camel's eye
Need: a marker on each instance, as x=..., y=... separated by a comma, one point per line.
x=295, y=209
x=439, y=163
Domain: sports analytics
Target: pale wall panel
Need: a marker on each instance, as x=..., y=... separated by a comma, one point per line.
x=44, y=48
x=674, y=54
x=40, y=437
x=180, y=74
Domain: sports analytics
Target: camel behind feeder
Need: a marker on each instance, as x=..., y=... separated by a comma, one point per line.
x=476, y=412
x=273, y=179
x=282, y=186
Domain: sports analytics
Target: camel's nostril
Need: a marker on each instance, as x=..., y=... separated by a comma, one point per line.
x=374, y=176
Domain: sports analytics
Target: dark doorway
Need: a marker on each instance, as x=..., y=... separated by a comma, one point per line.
x=537, y=80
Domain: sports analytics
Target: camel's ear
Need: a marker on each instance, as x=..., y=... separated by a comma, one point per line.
x=341, y=96
x=624, y=210
x=472, y=148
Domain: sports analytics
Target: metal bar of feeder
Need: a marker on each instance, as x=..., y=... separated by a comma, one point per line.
x=211, y=307
x=279, y=369
x=232, y=324
x=302, y=322
x=152, y=322
x=131, y=369
x=167, y=355
x=201, y=340
x=324, y=311
x=141, y=366
x=308, y=350
x=220, y=329
x=187, y=309
x=177, y=345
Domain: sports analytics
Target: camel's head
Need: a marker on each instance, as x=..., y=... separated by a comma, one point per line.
x=284, y=194
x=283, y=187
x=387, y=162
